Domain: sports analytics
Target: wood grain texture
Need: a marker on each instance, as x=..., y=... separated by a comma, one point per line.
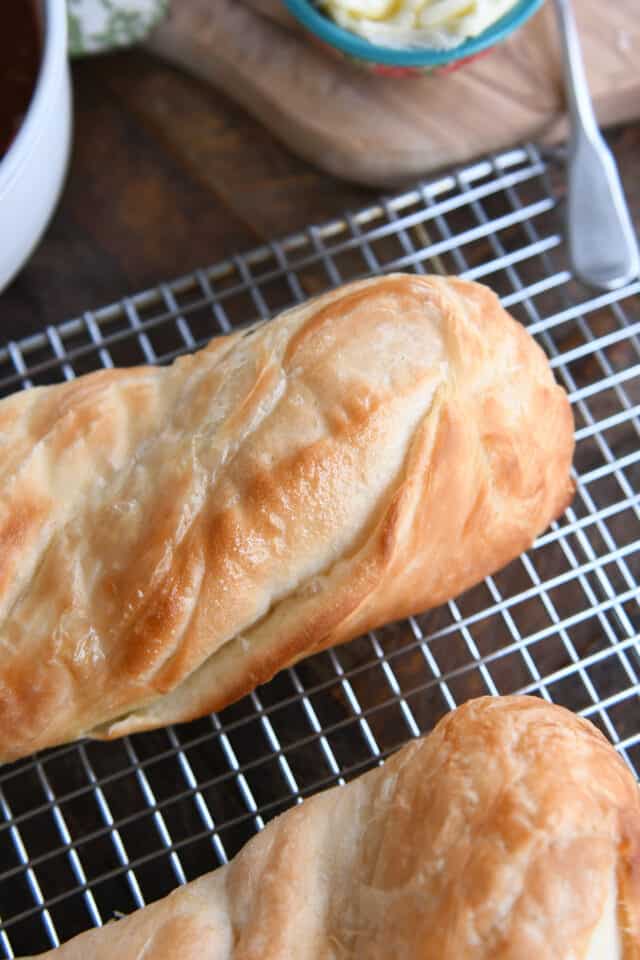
x=381, y=130
x=167, y=175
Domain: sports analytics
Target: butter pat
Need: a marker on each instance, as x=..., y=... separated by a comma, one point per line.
x=434, y=24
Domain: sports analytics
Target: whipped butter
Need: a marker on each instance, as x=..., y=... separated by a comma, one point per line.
x=436, y=24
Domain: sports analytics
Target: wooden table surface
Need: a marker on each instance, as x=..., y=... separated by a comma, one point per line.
x=168, y=175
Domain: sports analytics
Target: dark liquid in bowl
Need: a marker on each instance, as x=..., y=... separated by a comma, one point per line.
x=20, y=49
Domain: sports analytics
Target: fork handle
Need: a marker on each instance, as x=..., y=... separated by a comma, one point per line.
x=577, y=89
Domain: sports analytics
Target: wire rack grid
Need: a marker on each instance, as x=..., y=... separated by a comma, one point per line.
x=92, y=831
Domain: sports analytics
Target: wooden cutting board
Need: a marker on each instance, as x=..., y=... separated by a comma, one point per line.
x=383, y=130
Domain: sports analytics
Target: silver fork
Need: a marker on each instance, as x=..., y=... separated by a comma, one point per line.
x=602, y=242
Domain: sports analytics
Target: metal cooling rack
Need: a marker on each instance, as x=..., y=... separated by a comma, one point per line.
x=91, y=831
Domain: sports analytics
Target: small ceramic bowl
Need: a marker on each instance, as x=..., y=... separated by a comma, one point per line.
x=393, y=61
x=33, y=168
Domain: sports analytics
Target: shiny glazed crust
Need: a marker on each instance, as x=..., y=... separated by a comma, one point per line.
x=172, y=537
x=510, y=832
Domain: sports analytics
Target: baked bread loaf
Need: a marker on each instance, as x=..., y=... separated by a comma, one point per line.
x=172, y=537
x=510, y=832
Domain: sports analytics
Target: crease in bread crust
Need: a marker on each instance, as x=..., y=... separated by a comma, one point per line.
x=511, y=831
x=365, y=456
x=138, y=719
x=207, y=487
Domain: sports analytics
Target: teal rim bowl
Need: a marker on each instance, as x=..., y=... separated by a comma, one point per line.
x=357, y=47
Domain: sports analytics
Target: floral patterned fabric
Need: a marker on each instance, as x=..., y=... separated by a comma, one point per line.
x=96, y=25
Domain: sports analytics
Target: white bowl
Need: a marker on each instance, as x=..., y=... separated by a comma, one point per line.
x=33, y=168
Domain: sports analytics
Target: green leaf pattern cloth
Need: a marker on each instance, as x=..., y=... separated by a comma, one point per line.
x=96, y=25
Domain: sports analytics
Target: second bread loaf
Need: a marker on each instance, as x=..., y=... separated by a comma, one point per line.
x=511, y=832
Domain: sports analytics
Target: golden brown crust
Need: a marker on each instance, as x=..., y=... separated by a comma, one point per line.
x=511, y=832
x=171, y=537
